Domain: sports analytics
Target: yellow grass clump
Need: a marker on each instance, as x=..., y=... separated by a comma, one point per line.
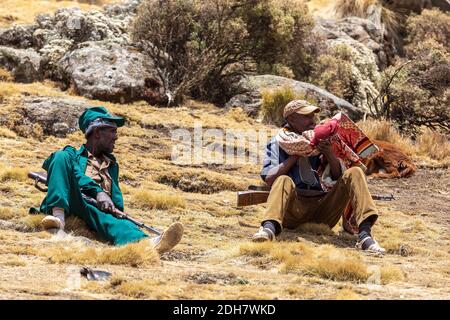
x=134, y=255
x=323, y=261
x=385, y=130
x=157, y=200
x=274, y=101
x=5, y=75
x=434, y=145
x=359, y=8
x=201, y=181
x=13, y=174
x=390, y=274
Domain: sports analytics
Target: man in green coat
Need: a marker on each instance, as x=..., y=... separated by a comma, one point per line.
x=93, y=171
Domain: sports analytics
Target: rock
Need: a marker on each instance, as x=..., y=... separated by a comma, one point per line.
x=18, y=36
x=25, y=65
x=443, y=5
x=364, y=72
x=369, y=32
x=56, y=116
x=108, y=71
x=249, y=97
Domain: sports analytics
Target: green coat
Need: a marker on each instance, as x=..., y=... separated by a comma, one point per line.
x=66, y=184
x=88, y=186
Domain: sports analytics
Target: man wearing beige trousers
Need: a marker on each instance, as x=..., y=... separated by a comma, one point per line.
x=296, y=195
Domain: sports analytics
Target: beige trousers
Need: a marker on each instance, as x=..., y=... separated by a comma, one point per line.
x=290, y=210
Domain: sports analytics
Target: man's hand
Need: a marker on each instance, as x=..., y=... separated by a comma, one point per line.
x=324, y=147
x=104, y=202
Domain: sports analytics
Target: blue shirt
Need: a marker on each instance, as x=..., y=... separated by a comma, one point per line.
x=274, y=155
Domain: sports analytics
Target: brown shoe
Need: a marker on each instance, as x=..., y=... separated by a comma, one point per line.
x=169, y=238
x=51, y=222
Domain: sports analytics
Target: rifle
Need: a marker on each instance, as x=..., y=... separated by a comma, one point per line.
x=41, y=177
x=259, y=194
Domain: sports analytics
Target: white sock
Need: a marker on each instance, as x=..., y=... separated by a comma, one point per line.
x=59, y=213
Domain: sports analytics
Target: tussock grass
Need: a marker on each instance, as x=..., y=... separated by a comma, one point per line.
x=24, y=11
x=385, y=130
x=390, y=273
x=346, y=294
x=5, y=75
x=7, y=133
x=201, y=181
x=435, y=145
x=157, y=200
x=12, y=261
x=335, y=265
x=359, y=8
x=13, y=174
x=33, y=222
x=428, y=145
x=143, y=289
x=134, y=255
x=78, y=227
x=274, y=101
x=324, y=261
x=6, y=213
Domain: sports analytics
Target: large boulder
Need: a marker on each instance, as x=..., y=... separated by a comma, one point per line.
x=24, y=64
x=369, y=32
x=56, y=116
x=109, y=71
x=250, y=89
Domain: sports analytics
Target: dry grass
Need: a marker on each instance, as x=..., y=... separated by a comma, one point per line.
x=24, y=11
x=274, y=101
x=324, y=261
x=13, y=174
x=359, y=8
x=5, y=75
x=429, y=145
x=390, y=273
x=201, y=181
x=157, y=200
x=135, y=255
x=384, y=130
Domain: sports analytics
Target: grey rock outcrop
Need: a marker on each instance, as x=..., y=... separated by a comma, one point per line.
x=90, y=50
x=24, y=64
x=56, y=116
x=108, y=71
x=250, y=88
x=367, y=32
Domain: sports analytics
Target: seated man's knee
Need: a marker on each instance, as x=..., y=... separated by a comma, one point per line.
x=354, y=172
x=61, y=155
x=284, y=180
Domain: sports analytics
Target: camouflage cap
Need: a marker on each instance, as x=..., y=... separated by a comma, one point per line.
x=299, y=106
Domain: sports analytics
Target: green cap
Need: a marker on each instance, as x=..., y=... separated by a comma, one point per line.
x=95, y=114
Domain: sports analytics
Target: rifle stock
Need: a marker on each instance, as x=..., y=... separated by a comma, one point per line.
x=255, y=195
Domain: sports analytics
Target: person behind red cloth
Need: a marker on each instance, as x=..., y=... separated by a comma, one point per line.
x=323, y=131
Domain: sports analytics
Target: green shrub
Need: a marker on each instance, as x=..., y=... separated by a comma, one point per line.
x=417, y=94
x=202, y=47
x=430, y=24
x=333, y=72
x=274, y=101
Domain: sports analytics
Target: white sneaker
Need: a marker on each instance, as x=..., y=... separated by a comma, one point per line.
x=373, y=248
x=51, y=222
x=263, y=234
x=169, y=238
